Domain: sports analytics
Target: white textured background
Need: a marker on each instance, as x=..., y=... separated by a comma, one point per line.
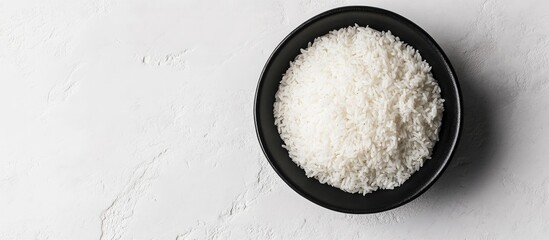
x=133, y=120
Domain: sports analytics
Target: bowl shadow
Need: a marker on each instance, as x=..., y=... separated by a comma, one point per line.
x=474, y=156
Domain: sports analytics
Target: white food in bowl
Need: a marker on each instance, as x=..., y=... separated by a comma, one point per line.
x=359, y=110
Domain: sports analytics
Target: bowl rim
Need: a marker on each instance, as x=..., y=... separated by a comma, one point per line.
x=452, y=148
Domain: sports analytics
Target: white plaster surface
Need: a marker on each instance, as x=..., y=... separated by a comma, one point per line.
x=133, y=120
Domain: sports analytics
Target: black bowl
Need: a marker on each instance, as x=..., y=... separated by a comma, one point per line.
x=323, y=194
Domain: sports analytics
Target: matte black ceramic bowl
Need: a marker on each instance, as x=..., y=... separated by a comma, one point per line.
x=331, y=197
